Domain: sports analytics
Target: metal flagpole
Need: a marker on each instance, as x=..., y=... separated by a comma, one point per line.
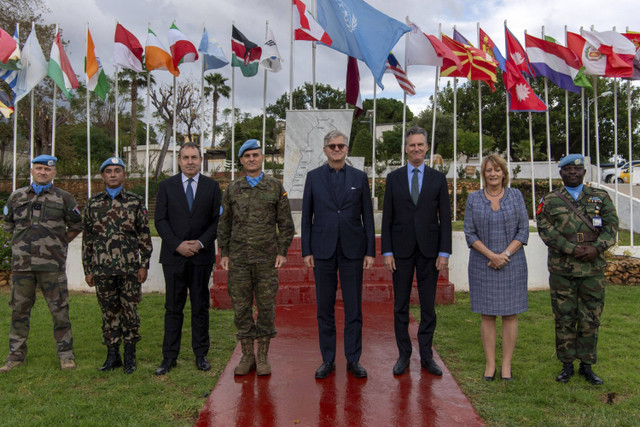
x=596, y=127
x=14, y=173
x=233, y=117
x=117, y=114
x=548, y=126
x=435, y=107
x=89, y=119
x=175, y=112
x=506, y=96
x=631, y=167
x=455, y=146
x=373, y=154
x=533, y=180
x=202, y=112
x=313, y=60
x=264, y=103
x=290, y=62
x=479, y=108
x=146, y=155
x=404, y=102
x=53, y=121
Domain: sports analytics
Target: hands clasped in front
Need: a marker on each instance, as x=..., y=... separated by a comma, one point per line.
x=189, y=248
x=585, y=253
x=498, y=261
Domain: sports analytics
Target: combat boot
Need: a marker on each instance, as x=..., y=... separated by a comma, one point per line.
x=263, y=367
x=129, y=357
x=113, y=359
x=248, y=361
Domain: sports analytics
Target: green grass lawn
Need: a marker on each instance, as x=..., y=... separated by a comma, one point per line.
x=41, y=394
x=534, y=398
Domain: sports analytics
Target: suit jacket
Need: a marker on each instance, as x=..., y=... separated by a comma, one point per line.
x=176, y=224
x=325, y=219
x=427, y=224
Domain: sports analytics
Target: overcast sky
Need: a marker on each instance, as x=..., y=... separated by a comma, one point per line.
x=250, y=17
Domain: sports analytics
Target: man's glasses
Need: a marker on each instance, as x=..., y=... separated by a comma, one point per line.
x=332, y=147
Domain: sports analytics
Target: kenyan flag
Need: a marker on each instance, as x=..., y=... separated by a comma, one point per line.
x=246, y=54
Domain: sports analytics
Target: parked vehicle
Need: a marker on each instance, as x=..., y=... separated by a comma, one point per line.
x=608, y=175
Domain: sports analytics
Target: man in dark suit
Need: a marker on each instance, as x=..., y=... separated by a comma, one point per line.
x=416, y=236
x=187, y=212
x=338, y=235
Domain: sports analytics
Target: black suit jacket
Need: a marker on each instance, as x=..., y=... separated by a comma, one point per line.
x=324, y=218
x=427, y=224
x=176, y=224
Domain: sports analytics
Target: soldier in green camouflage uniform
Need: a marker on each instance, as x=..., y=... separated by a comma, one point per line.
x=254, y=234
x=577, y=242
x=43, y=220
x=116, y=248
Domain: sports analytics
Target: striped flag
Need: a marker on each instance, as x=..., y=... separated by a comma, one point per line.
x=60, y=69
x=246, y=54
x=96, y=78
x=394, y=68
x=11, y=76
x=156, y=56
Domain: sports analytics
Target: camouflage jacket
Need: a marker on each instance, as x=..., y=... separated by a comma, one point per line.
x=39, y=223
x=116, y=238
x=247, y=227
x=558, y=225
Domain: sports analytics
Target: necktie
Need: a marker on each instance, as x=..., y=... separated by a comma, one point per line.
x=415, y=186
x=189, y=193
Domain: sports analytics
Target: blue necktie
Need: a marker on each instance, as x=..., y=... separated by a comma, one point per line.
x=415, y=186
x=189, y=193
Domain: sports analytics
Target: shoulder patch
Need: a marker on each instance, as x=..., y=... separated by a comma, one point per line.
x=540, y=206
x=77, y=211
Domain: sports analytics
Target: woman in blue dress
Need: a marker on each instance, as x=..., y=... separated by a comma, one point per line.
x=496, y=226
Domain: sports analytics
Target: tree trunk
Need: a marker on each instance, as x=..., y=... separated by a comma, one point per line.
x=163, y=152
x=133, y=143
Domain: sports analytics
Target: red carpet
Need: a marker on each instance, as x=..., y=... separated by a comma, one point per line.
x=291, y=396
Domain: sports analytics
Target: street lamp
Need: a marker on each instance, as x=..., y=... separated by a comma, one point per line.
x=607, y=93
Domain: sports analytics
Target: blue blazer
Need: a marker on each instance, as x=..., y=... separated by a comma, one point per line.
x=325, y=219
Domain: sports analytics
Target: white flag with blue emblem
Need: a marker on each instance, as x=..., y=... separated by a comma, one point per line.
x=270, y=54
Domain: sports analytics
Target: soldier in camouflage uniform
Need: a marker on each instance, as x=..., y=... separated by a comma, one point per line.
x=43, y=220
x=578, y=224
x=254, y=234
x=116, y=248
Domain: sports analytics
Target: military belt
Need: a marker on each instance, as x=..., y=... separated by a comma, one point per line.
x=581, y=237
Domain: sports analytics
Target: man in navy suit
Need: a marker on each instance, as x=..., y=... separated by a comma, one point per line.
x=338, y=238
x=416, y=236
x=187, y=212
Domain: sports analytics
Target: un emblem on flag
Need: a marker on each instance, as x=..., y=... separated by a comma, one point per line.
x=350, y=21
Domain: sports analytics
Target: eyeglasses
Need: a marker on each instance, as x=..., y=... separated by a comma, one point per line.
x=332, y=147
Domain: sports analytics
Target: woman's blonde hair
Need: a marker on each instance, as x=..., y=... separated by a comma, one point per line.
x=497, y=161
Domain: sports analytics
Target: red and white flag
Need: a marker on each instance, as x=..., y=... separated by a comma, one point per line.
x=521, y=95
x=127, y=50
x=306, y=27
x=403, y=80
x=353, y=87
x=425, y=49
x=182, y=50
x=605, y=53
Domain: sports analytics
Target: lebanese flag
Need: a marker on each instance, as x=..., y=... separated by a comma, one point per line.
x=156, y=56
x=521, y=95
x=353, y=87
x=60, y=69
x=306, y=27
x=516, y=54
x=127, y=50
x=606, y=53
x=182, y=50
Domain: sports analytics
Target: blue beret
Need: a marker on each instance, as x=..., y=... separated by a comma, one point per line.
x=112, y=161
x=250, y=144
x=571, y=159
x=45, y=159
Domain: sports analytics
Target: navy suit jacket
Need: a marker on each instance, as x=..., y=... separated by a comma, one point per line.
x=325, y=219
x=427, y=224
x=176, y=224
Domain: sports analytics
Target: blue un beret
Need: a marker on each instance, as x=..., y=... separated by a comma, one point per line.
x=45, y=159
x=571, y=159
x=250, y=144
x=112, y=161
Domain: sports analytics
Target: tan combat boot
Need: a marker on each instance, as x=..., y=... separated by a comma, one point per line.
x=248, y=361
x=263, y=349
x=10, y=365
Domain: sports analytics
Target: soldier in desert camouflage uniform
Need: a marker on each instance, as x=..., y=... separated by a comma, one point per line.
x=116, y=247
x=252, y=249
x=43, y=220
x=578, y=224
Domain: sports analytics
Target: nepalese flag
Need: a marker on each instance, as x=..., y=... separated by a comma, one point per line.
x=403, y=80
x=635, y=39
x=482, y=64
x=599, y=59
x=516, y=54
x=558, y=63
x=246, y=54
x=305, y=25
x=521, y=95
x=488, y=46
x=60, y=69
x=182, y=50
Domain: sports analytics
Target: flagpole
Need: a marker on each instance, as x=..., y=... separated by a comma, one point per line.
x=313, y=59
x=533, y=180
x=479, y=108
x=435, y=106
x=175, y=110
x=595, y=118
x=548, y=126
x=455, y=146
x=404, y=101
x=629, y=132
x=202, y=111
x=292, y=56
x=373, y=153
x=53, y=121
x=233, y=116
x=264, y=102
x=615, y=135
x=506, y=96
x=116, y=121
x=15, y=130
x=146, y=155
x=86, y=74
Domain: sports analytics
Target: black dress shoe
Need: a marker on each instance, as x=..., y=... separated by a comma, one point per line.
x=491, y=378
x=203, y=364
x=357, y=370
x=401, y=365
x=325, y=369
x=588, y=374
x=509, y=378
x=432, y=367
x=566, y=373
x=166, y=366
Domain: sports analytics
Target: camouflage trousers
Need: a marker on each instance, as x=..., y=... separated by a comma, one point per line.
x=118, y=297
x=23, y=295
x=247, y=281
x=577, y=304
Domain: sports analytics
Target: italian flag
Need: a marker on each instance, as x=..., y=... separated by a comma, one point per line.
x=182, y=50
x=156, y=56
x=60, y=69
x=246, y=54
x=96, y=78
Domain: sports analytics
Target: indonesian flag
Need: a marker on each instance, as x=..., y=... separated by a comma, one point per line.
x=96, y=78
x=156, y=56
x=182, y=50
x=306, y=27
x=60, y=69
x=127, y=50
x=353, y=87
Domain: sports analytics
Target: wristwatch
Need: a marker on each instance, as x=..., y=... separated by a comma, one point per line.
x=506, y=252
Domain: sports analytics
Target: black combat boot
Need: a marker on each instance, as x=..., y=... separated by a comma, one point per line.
x=129, y=357
x=588, y=374
x=113, y=359
x=566, y=373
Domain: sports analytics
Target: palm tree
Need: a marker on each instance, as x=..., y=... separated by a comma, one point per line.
x=216, y=87
x=133, y=80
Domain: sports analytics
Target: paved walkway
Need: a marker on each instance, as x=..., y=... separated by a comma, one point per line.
x=291, y=396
